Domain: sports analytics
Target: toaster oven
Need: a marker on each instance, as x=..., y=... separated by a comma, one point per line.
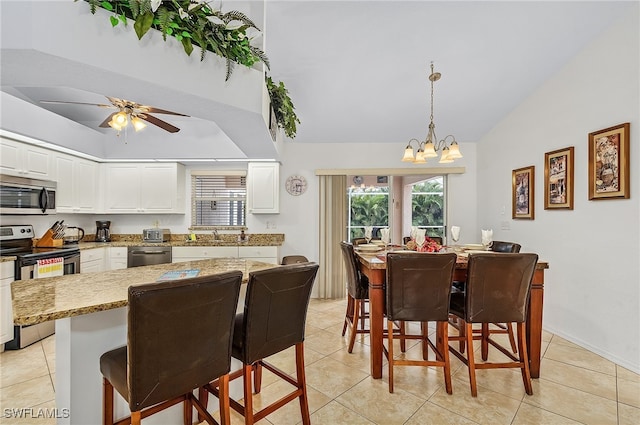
x=156, y=235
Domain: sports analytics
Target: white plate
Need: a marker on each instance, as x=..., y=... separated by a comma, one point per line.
x=369, y=247
x=476, y=251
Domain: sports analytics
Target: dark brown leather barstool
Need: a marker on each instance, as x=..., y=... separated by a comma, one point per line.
x=154, y=371
x=357, y=295
x=498, y=288
x=294, y=259
x=418, y=290
x=273, y=320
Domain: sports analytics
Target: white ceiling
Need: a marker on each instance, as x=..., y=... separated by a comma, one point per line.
x=358, y=71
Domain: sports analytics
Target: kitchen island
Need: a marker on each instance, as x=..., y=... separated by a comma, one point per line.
x=91, y=318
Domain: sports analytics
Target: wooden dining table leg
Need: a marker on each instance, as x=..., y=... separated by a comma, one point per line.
x=376, y=318
x=534, y=323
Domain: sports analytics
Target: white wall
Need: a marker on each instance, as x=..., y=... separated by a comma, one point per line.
x=592, y=292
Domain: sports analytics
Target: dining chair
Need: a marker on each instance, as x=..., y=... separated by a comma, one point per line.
x=497, y=291
x=358, y=241
x=357, y=295
x=273, y=320
x=418, y=290
x=179, y=337
x=294, y=259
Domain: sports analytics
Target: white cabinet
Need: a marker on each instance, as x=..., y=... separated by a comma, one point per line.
x=266, y=254
x=263, y=188
x=147, y=188
x=192, y=253
x=92, y=260
x=77, y=184
x=6, y=306
x=23, y=159
x=117, y=258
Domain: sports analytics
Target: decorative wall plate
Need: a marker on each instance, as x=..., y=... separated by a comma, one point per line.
x=296, y=185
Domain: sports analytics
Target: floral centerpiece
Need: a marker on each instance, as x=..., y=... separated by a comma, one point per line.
x=429, y=245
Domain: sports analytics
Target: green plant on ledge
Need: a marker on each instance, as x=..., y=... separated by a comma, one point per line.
x=283, y=107
x=194, y=22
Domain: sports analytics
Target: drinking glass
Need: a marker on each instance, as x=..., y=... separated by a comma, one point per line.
x=368, y=232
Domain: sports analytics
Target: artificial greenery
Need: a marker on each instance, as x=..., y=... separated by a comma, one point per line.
x=283, y=107
x=194, y=22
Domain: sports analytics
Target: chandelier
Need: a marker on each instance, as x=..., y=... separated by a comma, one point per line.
x=429, y=147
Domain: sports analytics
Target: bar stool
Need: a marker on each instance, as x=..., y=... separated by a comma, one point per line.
x=357, y=295
x=294, y=259
x=498, y=288
x=418, y=290
x=178, y=339
x=273, y=320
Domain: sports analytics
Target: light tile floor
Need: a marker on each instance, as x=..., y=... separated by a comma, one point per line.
x=576, y=386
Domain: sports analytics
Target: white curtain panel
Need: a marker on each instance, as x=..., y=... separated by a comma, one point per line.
x=333, y=225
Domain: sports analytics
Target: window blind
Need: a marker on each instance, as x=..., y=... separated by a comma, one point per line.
x=218, y=200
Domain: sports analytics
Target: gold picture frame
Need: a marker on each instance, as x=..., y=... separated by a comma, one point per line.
x=558, y=179
x=609, y=163
x=522, y=192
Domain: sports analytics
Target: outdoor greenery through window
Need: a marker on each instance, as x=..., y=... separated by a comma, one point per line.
x=218, y=200
x=427, y=205
x=368, y=206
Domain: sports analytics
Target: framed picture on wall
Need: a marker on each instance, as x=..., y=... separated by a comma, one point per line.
x=558, y=179
x=522, y=191
x=609, y=163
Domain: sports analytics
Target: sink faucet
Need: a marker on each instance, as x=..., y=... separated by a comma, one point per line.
x=216, y=236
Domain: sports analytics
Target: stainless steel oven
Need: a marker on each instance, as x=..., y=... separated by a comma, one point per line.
x=16, y=240
x=20, y=195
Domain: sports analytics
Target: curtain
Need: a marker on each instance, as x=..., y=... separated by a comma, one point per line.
x=333, y=225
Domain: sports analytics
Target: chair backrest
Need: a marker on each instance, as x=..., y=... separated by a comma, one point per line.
x=500, y=246
x=179, y=335
x=358, y=241
x=294, y=259
x=355, y=288
x=498, y=287
x=275, y=309
x=419, y=286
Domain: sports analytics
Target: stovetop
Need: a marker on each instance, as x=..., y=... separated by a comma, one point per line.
x=17, y=240
x=39, y=252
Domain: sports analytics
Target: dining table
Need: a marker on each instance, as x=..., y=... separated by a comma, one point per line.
x=374, y=265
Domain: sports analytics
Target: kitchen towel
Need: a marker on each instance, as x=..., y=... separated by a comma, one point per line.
x=49, y=267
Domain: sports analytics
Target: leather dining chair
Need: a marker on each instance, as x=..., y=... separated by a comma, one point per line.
x=172, y=350
x=273, y=320
x=294, y=259
x=358, y=241
x=418, y=290
x=497, y=291
x=357, y=295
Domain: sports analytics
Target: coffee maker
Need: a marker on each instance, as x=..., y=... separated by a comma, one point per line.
x=102, y=231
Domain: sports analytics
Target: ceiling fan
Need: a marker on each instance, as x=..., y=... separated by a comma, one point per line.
x=129, y=111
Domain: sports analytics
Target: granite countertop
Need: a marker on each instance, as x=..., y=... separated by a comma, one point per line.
x=8, y=258
x=41, y=300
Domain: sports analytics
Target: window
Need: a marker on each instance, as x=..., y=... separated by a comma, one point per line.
x=368, y=206
x=218, y=200
x=427, y=205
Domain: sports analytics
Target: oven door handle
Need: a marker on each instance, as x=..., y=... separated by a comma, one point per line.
x=44, y=199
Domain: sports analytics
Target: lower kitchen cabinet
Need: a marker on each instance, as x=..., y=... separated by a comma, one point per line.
x=180, y=254
x=92, y=260
x=117, y=258
x=6, y=309
x=266, y=254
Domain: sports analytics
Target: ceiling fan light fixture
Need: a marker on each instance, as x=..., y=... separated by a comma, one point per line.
x=138, y=124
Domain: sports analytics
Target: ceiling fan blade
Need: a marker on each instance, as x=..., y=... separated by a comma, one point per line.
x=162, y=124
x=101, y=105
x=162, y=111
x=105, y=123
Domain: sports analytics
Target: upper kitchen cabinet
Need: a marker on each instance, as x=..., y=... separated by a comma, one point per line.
x=263, y=184
x=77, y=184
x=145, y=188
x=25, y=160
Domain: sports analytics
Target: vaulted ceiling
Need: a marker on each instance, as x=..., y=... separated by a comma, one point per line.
x=357, y=71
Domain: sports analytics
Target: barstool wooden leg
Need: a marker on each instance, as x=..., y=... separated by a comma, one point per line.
x=348, y=315
x=512, y=339
x=203, y=396
x=390, y=351
x=354, y=324
x=257, y=377
x=484, y=341
x=136, y=417
x=524, y=358
x=442, y=335
x=223, y=397
x=248, y=394
x=107, y=404
x=470, y=359
x=187, y=413
x=302, y=384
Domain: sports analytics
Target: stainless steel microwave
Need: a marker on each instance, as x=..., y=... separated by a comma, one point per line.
x=20, y=195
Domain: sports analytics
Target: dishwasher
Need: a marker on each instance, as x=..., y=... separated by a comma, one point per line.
x=148, y=255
